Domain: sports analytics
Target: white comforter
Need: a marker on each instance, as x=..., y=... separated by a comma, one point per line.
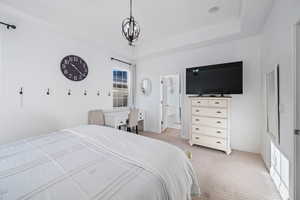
x=92, y=162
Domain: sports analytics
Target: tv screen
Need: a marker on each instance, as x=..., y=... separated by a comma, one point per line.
x=224, y=78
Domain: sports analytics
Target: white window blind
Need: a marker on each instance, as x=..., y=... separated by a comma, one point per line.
x=121, y=88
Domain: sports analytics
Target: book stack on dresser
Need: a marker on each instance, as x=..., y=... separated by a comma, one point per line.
x=210, y=122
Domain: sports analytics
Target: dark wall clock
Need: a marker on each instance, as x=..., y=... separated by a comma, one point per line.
x=74, y=68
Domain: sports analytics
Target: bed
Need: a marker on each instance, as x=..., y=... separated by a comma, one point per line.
x=95, y=162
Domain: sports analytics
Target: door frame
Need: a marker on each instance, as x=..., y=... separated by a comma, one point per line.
x=161, y=95
x=295, y=27
x=161, y=114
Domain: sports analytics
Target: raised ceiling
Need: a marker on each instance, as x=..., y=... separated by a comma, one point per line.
x=100, y=20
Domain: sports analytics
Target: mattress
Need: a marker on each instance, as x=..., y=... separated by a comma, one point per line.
x=94, y=162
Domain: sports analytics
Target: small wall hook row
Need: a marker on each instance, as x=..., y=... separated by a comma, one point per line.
x=48, y=92
x=85, y=92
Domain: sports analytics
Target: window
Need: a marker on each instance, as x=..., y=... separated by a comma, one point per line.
x=280, y=171
x=120, y=88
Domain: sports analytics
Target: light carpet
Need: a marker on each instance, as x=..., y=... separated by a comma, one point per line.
x=240, y=176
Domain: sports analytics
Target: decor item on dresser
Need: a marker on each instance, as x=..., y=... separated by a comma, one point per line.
x=210, y=122
x=74, y=68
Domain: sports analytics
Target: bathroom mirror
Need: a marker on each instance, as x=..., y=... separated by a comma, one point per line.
x=146, y=86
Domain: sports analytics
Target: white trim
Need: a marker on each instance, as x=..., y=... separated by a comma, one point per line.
x=294, y=63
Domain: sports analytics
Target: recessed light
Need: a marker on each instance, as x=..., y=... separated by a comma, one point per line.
x=214, y=9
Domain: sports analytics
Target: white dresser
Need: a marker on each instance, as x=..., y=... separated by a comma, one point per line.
x=210, y=122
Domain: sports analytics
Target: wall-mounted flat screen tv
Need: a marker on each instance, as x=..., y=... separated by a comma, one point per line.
x=221, y=79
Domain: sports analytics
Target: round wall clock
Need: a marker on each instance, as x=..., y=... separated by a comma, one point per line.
x=74, y=68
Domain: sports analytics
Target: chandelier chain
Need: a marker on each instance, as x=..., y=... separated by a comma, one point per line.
x=130, y=8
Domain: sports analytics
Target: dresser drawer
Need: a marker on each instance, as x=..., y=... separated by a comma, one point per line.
x=217, y=103
x=199, y=102
x=209, y=131
x=211, y=142
x=212, y=122
x=210, y=112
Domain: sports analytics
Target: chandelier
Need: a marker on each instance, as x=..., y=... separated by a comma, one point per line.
x=131, y=28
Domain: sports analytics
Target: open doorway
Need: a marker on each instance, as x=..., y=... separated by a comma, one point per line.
x=170, y=99
x=297, y=124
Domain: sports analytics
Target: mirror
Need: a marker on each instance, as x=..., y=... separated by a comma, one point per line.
x=272, y=100
x=146, y=86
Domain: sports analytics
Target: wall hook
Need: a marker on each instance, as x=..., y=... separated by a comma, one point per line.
x=69, y=92
x=85, y=92
x=48, y=92
x=98, y=93
x=21, y=91
x=109, y=94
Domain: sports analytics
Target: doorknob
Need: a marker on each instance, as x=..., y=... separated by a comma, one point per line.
x=297, y=132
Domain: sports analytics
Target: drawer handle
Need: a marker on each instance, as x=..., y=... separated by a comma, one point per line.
x=219, y=142
x=218, y=122
x=199, y=102
x=197, y=110
x=217, y=102
x=219, y=132
x=219, y=112
x=197, y=138
x=197, y=129
x=197, y=120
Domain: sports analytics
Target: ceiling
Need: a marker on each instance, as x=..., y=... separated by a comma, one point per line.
x=100, y=20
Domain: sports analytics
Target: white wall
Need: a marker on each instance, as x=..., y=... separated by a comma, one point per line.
x=246, y=108
x=30, y=58
x=277, y=48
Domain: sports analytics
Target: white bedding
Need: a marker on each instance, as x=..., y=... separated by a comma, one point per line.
x=92, y=162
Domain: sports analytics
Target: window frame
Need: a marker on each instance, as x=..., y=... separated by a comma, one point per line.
x=129, y=82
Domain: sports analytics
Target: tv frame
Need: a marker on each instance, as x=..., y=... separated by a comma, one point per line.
x=213, y=94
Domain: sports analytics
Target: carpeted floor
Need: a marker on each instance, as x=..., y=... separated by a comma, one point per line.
x=240, y=176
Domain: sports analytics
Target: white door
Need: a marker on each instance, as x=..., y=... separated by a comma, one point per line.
x=297, y=137
x=170, y=101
